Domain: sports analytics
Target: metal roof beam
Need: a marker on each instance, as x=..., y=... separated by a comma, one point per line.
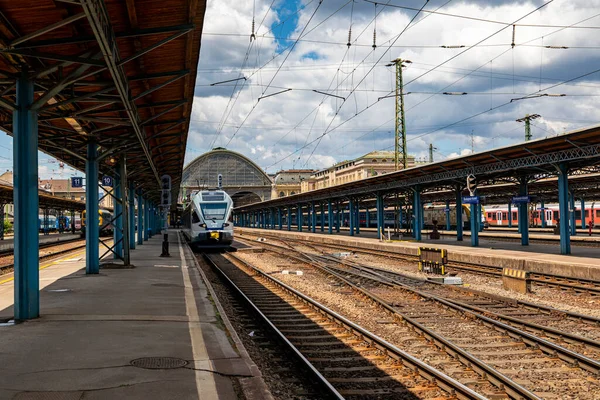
x=54, y=57
x=160, y=114
x=152, y=47
x=91, y=38
x=159, y=86
x=157, y=75
x=171, y=121
x=62, y=84
x=99, y=20
x=47, y=29
x=77, y=98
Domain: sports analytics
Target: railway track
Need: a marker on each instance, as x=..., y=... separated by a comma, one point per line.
x=577, y=285
x=9, y=267
x=344, y=359
x=499, y=344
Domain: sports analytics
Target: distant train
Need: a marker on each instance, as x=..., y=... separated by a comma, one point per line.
x=497, y=215
x=105, y=222
x=61, y=223
x=206, y=220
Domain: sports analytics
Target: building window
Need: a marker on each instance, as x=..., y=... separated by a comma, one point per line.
x=374, y=160
x=293, y=193
x=281, y=194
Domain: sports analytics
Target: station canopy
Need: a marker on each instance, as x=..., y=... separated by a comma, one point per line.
x=118, y=72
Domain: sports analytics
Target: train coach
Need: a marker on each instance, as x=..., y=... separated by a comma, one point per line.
x=206, y=220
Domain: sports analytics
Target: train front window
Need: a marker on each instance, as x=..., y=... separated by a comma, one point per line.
x=214, y=210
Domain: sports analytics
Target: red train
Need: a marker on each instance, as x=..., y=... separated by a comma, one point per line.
x=497, y=215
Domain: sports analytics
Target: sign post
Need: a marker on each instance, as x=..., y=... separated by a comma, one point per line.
x=165, y=203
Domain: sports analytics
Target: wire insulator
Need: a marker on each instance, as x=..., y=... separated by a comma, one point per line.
x=513, y=37
x=349, y=37
x=374, y=40
x=252, y=35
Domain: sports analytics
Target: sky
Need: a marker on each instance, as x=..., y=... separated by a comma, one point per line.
x=465, y=47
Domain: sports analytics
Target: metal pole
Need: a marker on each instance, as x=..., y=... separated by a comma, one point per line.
x=92, y=230
x=132, y=225
x=118, y=224
x=351, y=216
x=125, y=219
x=523, y=213
x=447, y=210
x=417, y=210
x=146, y=220
x=563, y=206
x=141, y=223
x=329, y=217
x=26, y=203
x=582, y=213
x=459, y=221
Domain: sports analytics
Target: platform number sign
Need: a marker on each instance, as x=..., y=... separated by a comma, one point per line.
x=76, y=182
x=165, y=196
x=107, y=181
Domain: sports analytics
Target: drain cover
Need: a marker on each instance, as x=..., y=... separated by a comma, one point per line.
x=159, y=362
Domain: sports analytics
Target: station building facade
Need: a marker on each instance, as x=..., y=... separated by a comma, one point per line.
x=289, y=182
x=371, y=164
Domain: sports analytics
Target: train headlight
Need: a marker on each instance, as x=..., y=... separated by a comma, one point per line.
x=202, y=225
x=226, y=224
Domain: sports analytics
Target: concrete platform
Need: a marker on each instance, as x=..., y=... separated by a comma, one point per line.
x=585, y=263
x=9, y=243
x=93, y=326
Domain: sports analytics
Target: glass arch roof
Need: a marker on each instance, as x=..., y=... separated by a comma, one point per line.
x=237, y=171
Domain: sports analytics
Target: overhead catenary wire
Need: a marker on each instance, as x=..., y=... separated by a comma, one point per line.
x=329, y=129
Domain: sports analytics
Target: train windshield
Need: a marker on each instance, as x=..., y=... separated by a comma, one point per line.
x=214, y=210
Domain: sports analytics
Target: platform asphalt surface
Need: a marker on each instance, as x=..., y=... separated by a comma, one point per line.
x=93, y=326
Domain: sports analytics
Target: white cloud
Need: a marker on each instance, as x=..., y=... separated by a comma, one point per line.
x=274, y=130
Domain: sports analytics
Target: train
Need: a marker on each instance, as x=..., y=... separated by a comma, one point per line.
x=105, y=222
x=206, y=220
x=61, y=223
x=497, y=215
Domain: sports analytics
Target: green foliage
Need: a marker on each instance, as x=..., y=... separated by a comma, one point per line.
x=7, y=226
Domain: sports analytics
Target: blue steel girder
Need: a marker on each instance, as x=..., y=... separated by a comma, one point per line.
x=564, y=156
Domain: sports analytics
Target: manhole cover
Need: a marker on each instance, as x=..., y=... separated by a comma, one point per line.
x=159, y=363
x=58, y=290
x=166, y=285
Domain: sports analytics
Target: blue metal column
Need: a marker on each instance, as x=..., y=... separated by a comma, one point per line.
x=572, y=209
x=279, y=219
x=543, y=214
x=299, y=218
x=118, y=233
x=367, y=218
x=150, y=219
x=329, y=217
x=447, y=215
x=313, y=214
x=523, y=213
x=141, y=221
x=400, y=215
x=337, y=218
x=418, y=223
x=563, y=207
x=582, y=213
x=146, y=219
x=474, y=226
x=92, y=236
x=351, y=216
x=308, y=217
x=510, y=218
x=380, y=216
x=357, y=217
x=459, y=221
x=322, y=207
x=26, y=203
x=131, y=216
x=289, y=218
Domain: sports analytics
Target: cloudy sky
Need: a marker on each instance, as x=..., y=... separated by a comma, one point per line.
x=302, y=46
